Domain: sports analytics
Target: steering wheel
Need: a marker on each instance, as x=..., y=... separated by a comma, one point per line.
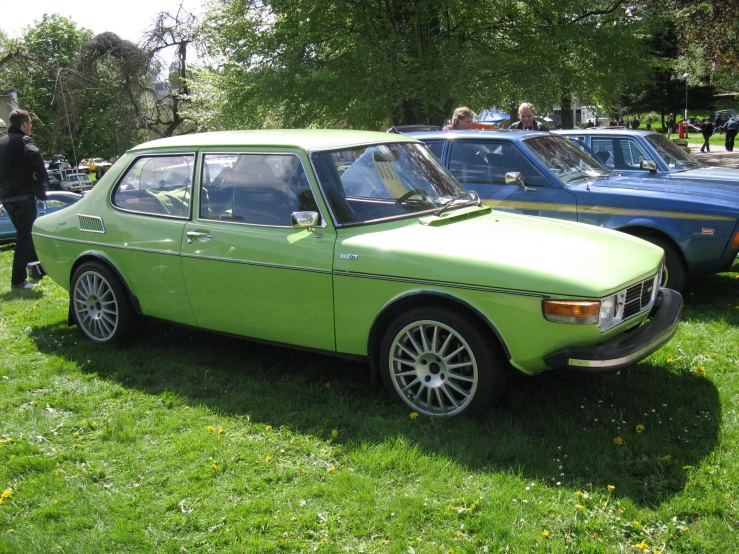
x=413, y=192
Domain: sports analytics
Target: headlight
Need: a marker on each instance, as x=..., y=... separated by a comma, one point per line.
x=612, y=310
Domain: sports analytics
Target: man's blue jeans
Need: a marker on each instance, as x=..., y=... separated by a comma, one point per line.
x=22, y=213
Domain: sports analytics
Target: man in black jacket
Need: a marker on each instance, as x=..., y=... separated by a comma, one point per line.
x=526, y=121
x=22, y=178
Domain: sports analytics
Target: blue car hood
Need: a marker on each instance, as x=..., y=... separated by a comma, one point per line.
x=726, y=194
x=728, y=175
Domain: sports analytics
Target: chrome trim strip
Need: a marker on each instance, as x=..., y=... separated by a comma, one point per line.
x=106, y=245
x=257, y=264
x=641, y=353
x=209, y=258
x=438, y=284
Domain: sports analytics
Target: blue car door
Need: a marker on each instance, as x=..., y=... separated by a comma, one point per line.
x=481, y=165
x=622, y=154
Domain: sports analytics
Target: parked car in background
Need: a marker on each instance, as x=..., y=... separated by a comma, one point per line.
x=74, y=181
x=99, y=166
x=55, y=201
x=648, y=154
x=358, y=244
x=695, y=222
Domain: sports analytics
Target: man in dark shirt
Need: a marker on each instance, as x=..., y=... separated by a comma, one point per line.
x=22, y=178
x=526, y=121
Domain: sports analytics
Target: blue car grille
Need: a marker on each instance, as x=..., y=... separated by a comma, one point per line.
x=638, y=297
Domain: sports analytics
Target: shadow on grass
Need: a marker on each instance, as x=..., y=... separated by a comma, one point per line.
x=557, y=427
x=715, y=297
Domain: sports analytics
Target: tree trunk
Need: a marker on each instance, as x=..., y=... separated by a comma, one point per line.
x=568, y=121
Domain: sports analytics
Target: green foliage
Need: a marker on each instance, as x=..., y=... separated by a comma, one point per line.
x=365, y=64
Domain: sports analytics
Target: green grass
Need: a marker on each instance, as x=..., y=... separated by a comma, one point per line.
x=184, y=441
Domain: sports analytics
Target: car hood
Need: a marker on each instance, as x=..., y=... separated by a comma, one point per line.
x=716, y=191
x=511, y=252
x=729, y=175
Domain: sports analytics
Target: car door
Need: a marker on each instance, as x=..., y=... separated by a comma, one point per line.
x=481, y=165
x=248, y=271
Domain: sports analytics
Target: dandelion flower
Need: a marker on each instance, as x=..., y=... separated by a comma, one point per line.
x=334, y=433
x=6, y=494
x=669, y=360
x=578, y=506
x=185, y=408
x=211, y=428
x=545, y=533
x=89, y=361
x=328, y=385
x=611, y=488
x=701, y=369
x=686, y=529
x=221, y=430
x=665, y=458
x=331, y=469
x=642, y=546
x=618, y=441
x=268, y=428
x=267, y=459
x=639, y=428
x=213, y=466
x=413, y=415
x=580, y=494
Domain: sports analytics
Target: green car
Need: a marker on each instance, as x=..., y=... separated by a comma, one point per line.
x=358, y=244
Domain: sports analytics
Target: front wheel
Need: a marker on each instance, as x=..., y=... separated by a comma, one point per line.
x=675, y=275
x=438, y=364
x=100, y=305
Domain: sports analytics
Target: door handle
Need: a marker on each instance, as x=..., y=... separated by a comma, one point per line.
x=198, y=236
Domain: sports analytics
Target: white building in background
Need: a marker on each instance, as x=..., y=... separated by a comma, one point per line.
x=581, y=113
x=8, y=103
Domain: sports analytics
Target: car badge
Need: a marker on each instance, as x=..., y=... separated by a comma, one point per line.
x=349, y=257
x=707, y=231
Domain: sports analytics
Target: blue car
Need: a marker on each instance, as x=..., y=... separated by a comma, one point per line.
x=695, y=222
x=55, y=201
x=647, y=154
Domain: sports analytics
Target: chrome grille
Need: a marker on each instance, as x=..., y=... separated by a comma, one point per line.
x=638, y=297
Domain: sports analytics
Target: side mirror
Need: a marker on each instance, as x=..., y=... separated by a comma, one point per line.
x=304, y=220
x=650, y=165
x=515, y=177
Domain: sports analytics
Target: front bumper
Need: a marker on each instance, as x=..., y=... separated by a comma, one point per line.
x=630, y=347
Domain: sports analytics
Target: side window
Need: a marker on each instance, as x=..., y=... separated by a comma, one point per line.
x=603, y=148
x=488, y=163
x=157, y=185
x=632, y=154
x=436, y=147
x=261, y=189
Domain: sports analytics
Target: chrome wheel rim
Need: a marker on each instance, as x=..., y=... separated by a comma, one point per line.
x=95, y=306
x=433, y=369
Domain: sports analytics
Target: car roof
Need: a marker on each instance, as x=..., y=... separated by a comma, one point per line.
x=306, y=139
x=505, y=134
x=605, y=130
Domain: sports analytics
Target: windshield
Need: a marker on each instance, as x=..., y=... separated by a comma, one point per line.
x=567, y=161
x=382, y=181
x=673, y=156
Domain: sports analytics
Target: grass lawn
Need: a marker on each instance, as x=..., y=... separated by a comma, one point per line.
x=184, y=441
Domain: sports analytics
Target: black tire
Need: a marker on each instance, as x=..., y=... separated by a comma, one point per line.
x=100, y=304
x=429, y=385
x=676, y=273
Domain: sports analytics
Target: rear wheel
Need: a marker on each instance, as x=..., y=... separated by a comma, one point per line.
x=100, y=305
x=438, y=364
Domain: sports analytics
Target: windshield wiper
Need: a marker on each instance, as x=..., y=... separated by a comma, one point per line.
x=475, y=200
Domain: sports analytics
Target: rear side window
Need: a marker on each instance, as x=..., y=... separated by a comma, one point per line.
x=157, y=185
x=436, y=147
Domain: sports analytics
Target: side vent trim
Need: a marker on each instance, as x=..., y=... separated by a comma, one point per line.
x=91, y=223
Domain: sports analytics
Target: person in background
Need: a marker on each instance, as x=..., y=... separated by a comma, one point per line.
x=670, y=125
x=635, y=123
x=707, y=132
x=461, y=120
x=649, y=126
x=22, y=178
x=731, y=127
x=526, y=121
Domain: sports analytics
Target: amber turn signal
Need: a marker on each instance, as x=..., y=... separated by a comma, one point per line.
x=572, y=311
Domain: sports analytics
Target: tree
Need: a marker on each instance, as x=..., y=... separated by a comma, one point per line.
x=365, y=64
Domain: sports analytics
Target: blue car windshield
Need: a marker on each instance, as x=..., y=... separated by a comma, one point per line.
x=386, y=181
x=565, y=160
x=674, y=156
